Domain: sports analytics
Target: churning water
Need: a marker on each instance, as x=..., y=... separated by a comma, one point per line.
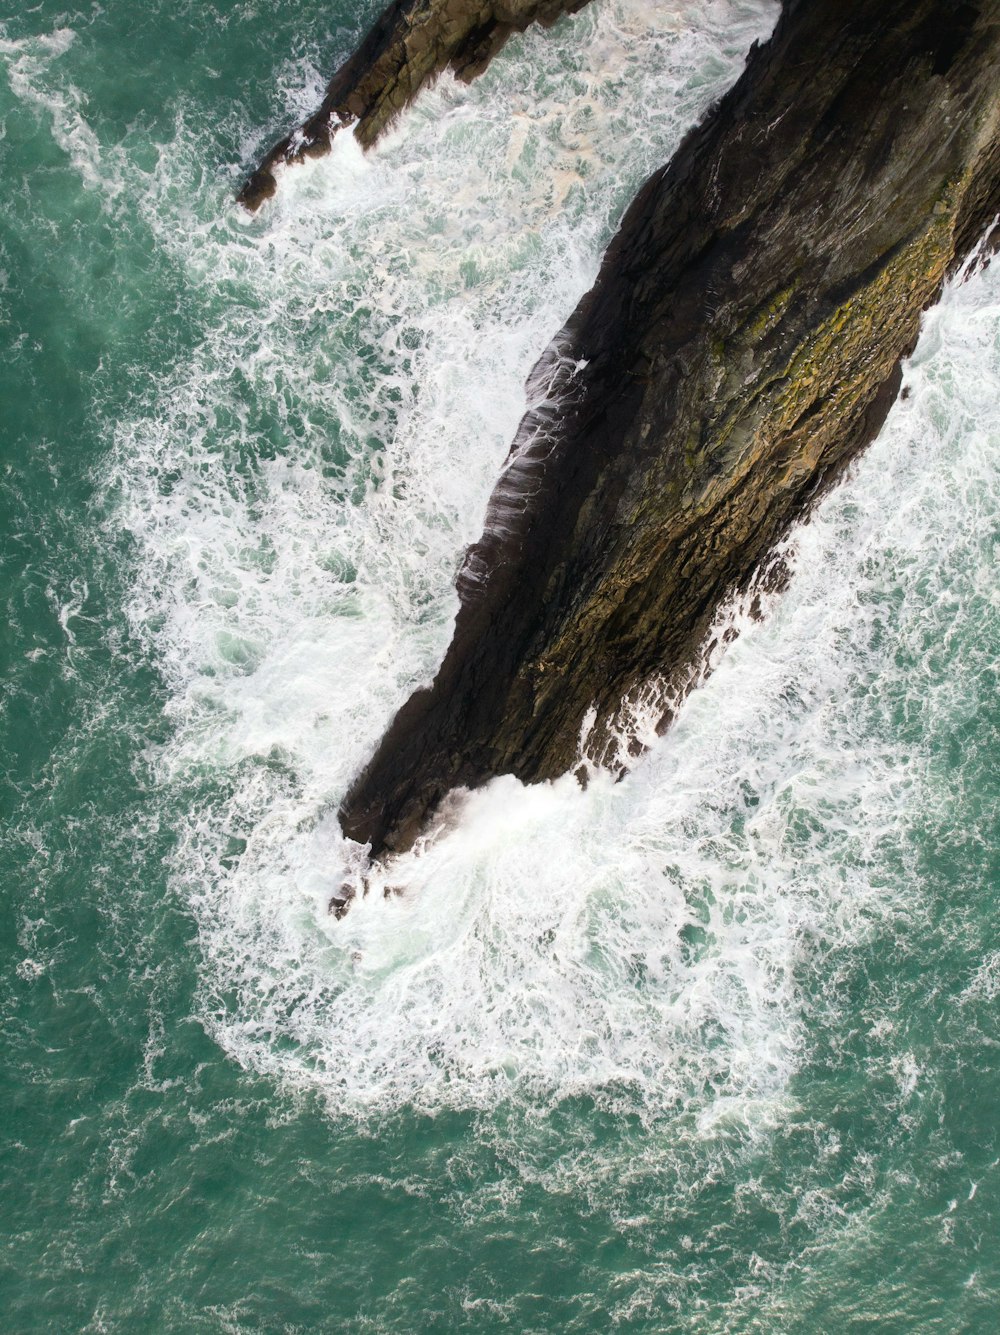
x=710, y=1049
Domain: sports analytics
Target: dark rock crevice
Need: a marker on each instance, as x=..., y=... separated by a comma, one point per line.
x=741, y=345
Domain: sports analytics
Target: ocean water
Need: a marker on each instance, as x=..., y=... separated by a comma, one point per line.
x=712, y=1049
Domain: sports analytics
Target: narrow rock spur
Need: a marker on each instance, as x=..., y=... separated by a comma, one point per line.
x=741, y=345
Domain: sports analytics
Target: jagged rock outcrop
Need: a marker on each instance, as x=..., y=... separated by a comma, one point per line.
x=410, y=44
x=741, y=345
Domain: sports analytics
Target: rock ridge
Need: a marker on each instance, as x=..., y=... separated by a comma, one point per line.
x=409, y=44
x=743, y=342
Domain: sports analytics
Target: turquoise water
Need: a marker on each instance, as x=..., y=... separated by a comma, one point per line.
x=713, y=1049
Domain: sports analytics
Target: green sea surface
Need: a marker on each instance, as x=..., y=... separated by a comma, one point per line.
x=714, y=1049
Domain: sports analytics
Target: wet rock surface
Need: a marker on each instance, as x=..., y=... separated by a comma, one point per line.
x=741, y=345
x=409, y=45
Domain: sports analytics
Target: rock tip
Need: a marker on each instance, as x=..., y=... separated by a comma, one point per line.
x=256, y=189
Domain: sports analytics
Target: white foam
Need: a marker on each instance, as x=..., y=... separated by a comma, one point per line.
x=300, y=494
x=28, y=64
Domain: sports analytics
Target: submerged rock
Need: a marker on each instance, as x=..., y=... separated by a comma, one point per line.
x=741, y=345
x=410, y=44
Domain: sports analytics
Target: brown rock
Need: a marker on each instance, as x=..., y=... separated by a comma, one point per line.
x=741, y=345
x=409, y=44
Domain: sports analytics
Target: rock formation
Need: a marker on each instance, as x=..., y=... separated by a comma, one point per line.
x=410, y=44
x=741, y=345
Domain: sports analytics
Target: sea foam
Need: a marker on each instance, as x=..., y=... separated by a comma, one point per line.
x=300, y=493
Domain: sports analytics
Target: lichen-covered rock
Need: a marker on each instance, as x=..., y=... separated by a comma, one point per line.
x=741, y=345
x=411, y=43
